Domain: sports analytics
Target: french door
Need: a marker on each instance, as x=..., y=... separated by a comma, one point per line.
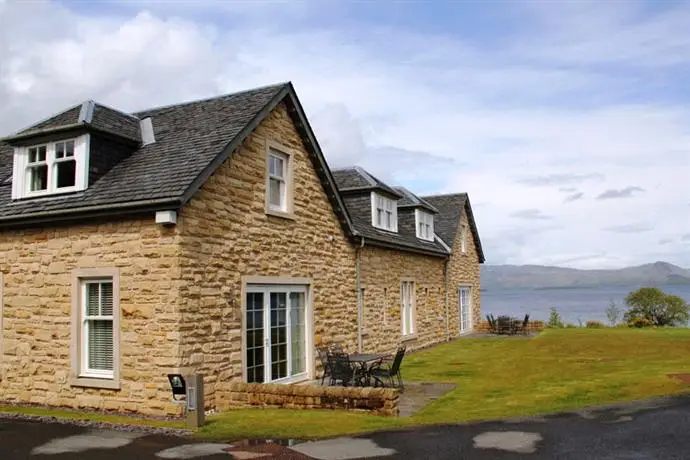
x=465, y=309
x=276, y=345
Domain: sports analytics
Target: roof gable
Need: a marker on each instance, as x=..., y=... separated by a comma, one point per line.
x=192, y=140
x=447, y=222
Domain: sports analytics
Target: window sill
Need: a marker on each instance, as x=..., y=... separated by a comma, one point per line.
x=281, y=214
x=408, y=338
x=91, y=382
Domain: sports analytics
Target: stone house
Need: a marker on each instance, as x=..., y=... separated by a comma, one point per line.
x=209, y=237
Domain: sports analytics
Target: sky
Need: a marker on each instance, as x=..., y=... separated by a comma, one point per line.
x=567, y=123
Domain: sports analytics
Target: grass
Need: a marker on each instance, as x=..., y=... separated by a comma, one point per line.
x=500, y=377
x=68, y=414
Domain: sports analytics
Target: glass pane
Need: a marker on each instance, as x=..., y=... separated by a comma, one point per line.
x=42, y=153
x=33, y=155
x=39, y=178
x=100, y=344
x=107, y=299
x=278, y=303
x=274, y=193
x=255, y=337
x=59, y=150
x=297, y=333
x=69, y=148
x=66, y=173
x=92, y=299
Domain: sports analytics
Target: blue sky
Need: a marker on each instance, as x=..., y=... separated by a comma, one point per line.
x=568, y=123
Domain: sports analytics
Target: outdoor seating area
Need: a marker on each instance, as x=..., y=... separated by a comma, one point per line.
x=341, y=368
x=507, y=325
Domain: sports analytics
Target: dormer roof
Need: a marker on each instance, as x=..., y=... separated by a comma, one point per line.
x=356, y=179
x=88, y=115
x=410, y=200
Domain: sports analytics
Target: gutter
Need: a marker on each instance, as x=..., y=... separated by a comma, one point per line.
x=360, y=300
x=93, y=211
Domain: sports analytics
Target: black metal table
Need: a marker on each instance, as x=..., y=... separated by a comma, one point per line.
x=363, y=360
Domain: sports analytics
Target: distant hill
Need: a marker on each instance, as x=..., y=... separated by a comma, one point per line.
x=542, y=277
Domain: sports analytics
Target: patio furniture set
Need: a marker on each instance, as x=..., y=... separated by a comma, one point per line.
x=361, y=369
x=506, y=325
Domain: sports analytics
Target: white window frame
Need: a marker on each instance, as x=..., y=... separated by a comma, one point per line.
x=80, y=374
x=21, y=181
x=424, y=224
x=463, y=238
x=387, y=209
x=408, y=301
x=265, y=285
x=286, y=207
x=468, y=326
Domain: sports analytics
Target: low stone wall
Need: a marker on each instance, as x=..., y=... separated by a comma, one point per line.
x=380, y=401
x=532, y=326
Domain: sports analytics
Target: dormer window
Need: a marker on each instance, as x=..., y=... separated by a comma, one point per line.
x=424, y=222
x=384, y=212
x=50, y=168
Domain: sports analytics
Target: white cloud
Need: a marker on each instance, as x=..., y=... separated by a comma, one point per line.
x=432, y=111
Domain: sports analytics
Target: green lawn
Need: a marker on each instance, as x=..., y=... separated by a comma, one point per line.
x=501, y=377
x=495, y=377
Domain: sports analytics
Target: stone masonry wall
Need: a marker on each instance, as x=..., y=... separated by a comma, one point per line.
x=37, y=306
x=382, y=271
x=463, y=270
x=227, y=234
x=380, y=401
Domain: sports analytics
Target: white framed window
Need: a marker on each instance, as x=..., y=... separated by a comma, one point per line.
x=425, y=225
x=465, y=306
x=276, y=328
x=463, y=238
x=95, y=328
x=279, y=199
x=384, y=212
x=277, y=180
x=50, y=168
x=407, y=308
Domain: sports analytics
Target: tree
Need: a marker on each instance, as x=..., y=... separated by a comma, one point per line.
x=652, y=305
x=613, y=313
x=554, y=319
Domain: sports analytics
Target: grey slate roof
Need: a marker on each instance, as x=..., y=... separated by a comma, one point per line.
x=410, y=200
x=88, y=115
x=356, y=179
x=355, y=185
x=446, y=223
x=116, y=122
x=192, y=140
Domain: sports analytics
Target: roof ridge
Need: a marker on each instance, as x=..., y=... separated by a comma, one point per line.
x=206, y=99
x=367, y=177
x=117, y=110
x=439, y=195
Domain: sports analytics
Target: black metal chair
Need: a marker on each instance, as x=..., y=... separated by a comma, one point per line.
x=380, y=372
x=492, y=323
x=525, y=324
x=341, y=369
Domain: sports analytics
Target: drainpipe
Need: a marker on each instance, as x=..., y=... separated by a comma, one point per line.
x=360, y=301
x=445, y=295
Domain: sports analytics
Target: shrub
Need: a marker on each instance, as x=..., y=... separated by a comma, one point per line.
x=595, y=324
x=656, y=308
x=571, y=326
x=639, y=322
x=554, y=319
x=613, y=313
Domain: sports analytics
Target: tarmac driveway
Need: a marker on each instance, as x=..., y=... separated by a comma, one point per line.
x=649, y=430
